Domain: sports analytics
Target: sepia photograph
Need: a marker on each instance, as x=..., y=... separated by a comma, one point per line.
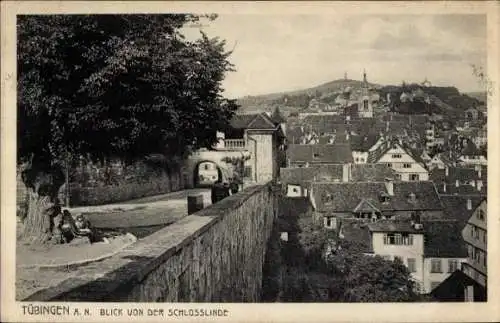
x=224, y=157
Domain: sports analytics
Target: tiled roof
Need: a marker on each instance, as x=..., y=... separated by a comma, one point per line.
x=371, y=172
x=458, y=173
x=443, y=239
x=344, y=197
x=296, y=175
x=470, y=149
x=320, y=153
x=404, y=226
x=364, y=142
x=455, y=207
x=463, y=190
x=452, y=289
x=241, y=121
x=262, y=121
x=252, y=121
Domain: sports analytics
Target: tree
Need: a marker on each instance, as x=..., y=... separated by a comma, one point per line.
x=120, y=86
x=366, y=278
x=276, y=116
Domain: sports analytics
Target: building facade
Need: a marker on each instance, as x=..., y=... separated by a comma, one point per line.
x=476, y=237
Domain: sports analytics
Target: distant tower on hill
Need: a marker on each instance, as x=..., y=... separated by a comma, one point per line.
x=426, y=82
x=345, y=75
x=364, y=77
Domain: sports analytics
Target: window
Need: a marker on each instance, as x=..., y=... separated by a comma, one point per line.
x=398, y=258
x=396, y=156
x=398, y=239
x=357, y=159
x=328, y=222
x=398, y=176
x=414, y=177
x=365, y=104
x=436, y=266
x=412, y=265
x=389, y=165
x=316, y=155
x=485, y=237
x=452, y=265
x=386, y=257
x=207, y=166
x=484, y=260
x=480, y=215
x=295, y=190
x=406, y=165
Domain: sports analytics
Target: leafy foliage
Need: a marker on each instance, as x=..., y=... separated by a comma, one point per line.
x=321, y=268
x=112, y=86
x=117, y=85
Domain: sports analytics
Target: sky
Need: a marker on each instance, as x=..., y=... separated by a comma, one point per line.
x=275, y=53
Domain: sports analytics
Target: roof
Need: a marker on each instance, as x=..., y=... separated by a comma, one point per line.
x=470, y=149
x=443, y=239
x=462, y=190
x=455, y=207
x=252, y=121
x=403, y=226
x=296, y=175
x=345, y=196
x=371, y=172
x=452, y=289
x=331, y=153
x=364, y=142
x=300, y=175
x=458, y=173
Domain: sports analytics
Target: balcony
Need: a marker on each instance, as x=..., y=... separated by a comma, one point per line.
x=234, y=144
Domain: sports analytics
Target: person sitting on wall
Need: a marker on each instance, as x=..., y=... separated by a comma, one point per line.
x=73, y=228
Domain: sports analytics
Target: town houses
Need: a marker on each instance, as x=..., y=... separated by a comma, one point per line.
x=399, y=173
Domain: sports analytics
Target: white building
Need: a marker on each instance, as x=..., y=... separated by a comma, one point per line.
x=406, y=165
x=429, y=249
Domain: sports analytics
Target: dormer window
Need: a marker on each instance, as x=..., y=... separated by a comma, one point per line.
x=396, y=156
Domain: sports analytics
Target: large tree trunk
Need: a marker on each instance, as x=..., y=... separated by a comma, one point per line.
x=39, y=223
x=43, y=205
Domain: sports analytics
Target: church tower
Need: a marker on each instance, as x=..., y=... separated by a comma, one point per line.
x=365, y=108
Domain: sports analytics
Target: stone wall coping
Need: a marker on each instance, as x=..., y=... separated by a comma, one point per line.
x=129, y=267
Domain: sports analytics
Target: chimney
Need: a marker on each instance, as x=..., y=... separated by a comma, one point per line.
x=457, y=183
x=389, y=186
x=479, y=171
x=479, y=185
x=345, y=172
x=469, y=204
x=446, y=171
x=444, y=187
x=387, y=126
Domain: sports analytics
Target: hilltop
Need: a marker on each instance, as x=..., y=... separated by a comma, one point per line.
x=446, y=99
x=298, y=99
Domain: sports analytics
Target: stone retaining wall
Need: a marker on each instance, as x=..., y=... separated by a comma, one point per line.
x=214, y=255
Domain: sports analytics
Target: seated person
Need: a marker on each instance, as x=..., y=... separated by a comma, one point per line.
x=72, y=228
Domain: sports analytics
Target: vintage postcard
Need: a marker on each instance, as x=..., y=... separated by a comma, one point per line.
x=249, y=161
